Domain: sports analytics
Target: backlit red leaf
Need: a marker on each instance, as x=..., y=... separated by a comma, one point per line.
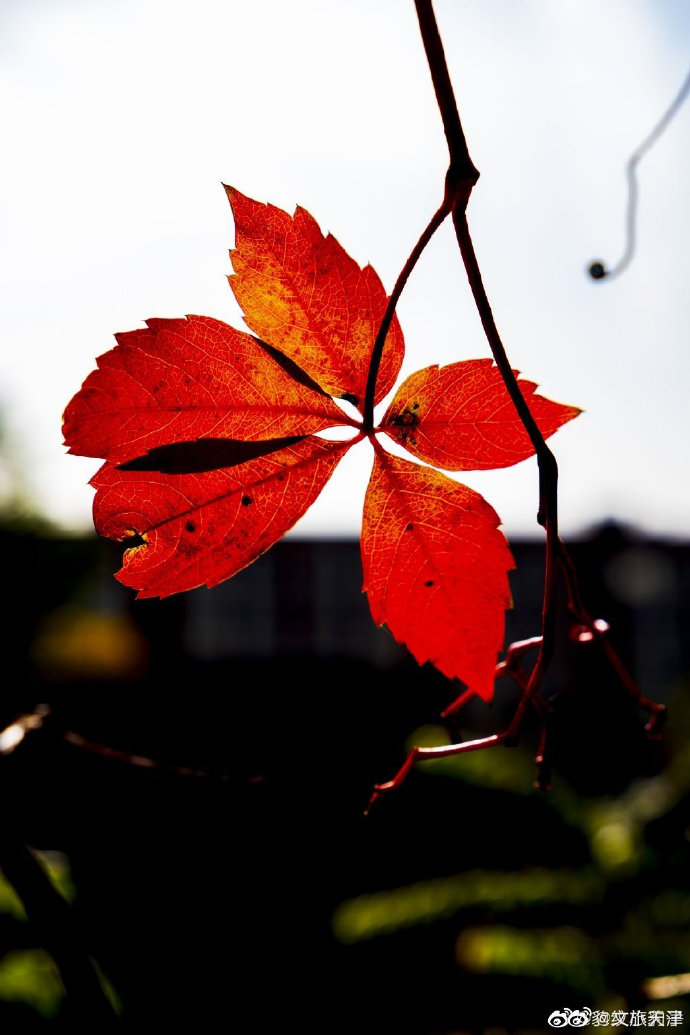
x=461, y=418
x=209, y=434
x=179, y=380
x=435, y=569
x=202, y=528
x=303, y=293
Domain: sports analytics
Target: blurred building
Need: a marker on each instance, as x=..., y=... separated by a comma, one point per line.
x=229, y=872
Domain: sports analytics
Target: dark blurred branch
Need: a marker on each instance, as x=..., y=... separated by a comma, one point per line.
x=55, y=924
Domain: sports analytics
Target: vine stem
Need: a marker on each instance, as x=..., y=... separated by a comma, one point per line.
x=462, y=166
x=597, y=270
x=461, y=178
x=548, y=468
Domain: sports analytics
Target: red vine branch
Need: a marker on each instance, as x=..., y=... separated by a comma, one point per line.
x=461, y=177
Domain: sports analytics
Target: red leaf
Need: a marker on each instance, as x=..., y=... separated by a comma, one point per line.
x=435, y=569
x=461, y=418
x=202, y=528
x=304, y=294
x=208, y=433
x=179, y=380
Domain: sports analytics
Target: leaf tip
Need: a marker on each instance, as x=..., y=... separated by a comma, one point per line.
x=238, y=201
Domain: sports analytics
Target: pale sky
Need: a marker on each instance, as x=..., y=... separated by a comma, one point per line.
x=121, y=118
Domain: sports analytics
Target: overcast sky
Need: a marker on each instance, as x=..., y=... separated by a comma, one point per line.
x=121, y=118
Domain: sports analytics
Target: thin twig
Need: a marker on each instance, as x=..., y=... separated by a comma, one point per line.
x=598, y=270
x=377, y=351
x=460, y=179
x=114, y=754
x=596, y=628
x=510, y=666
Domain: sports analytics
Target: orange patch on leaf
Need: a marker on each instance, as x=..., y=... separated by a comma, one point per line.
x=301, y=291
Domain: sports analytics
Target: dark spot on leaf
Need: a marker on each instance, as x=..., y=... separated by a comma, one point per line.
x=281, y=477
x=415, y=406
x=246, y=500
x=429, y=582
x=408, y=528
x=406, y=418
x=190, y=526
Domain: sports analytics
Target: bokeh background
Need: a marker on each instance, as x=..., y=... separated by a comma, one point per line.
x=193, y=771
x=120, y=119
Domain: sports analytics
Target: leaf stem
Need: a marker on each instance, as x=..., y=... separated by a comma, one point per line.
x=377, y=351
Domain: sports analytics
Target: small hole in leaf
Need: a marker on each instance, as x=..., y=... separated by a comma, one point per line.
x=246, y=500
x=134, y=539
x=190, y=526
x=429, y=582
